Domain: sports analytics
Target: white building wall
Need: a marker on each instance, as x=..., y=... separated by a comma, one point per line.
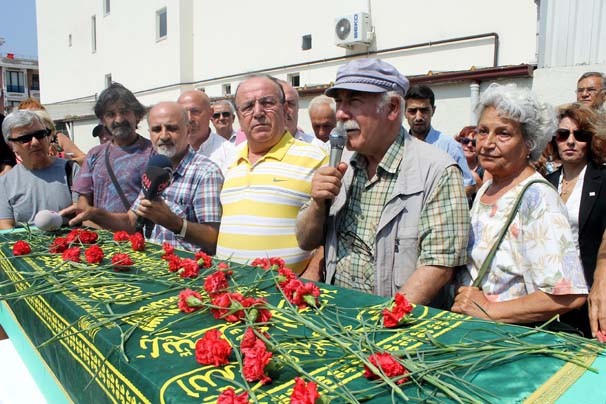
x=212, y=44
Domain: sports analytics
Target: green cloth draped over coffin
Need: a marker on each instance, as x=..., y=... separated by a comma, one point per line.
x=119, y=336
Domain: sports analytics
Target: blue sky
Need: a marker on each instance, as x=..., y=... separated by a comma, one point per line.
x=18, y=27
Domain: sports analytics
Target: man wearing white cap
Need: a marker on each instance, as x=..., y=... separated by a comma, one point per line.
x=398, y=219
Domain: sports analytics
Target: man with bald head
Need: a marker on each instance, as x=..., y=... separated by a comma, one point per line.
x=292, y=116
x=323, y=117
x=269, y=180
x=188, y=213
x=197, y=105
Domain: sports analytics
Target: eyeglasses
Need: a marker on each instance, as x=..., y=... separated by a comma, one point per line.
x=580, y=135
x=39, y=134
x=267, y=104
x=224, y=114
x=589, y=90
x=465, y=141
x=353, y=241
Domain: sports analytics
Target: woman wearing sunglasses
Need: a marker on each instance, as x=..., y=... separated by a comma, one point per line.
x=580, y=143
x=467, y=138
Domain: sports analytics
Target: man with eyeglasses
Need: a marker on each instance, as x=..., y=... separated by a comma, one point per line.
x=591, y=90
x=223, y=120
x=268, y=182
x=110, y=178
x=398, y=219
x=201, y=138
x=40, y=182
x=420, y=107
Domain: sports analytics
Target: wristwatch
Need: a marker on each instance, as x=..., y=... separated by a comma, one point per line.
x=183, y=231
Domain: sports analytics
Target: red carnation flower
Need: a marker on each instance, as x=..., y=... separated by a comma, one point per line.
x=304, y=393
x=169, y=251
x=289, y=288
x=189, y=301
x=285, y=275
x=82, y=236
x=189, y=268
x=399, y=313
x=229, y=396
x=388, y=364
x=121, y=235
x=137, y=242
x=216, y=283
x=21, y=248
x=228, y=307
x=306, y=295
x=255, y=361
x=250, y=340
x=94, y=254
x=204, y=260
x=174, y=262
x=275, y=263
x=224, y=267
x=121, y=261
x=71, y=254
x=257, y=313
x=213, y=349
x=59, y=245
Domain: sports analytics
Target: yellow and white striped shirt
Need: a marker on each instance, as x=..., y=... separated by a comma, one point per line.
x=261, y=202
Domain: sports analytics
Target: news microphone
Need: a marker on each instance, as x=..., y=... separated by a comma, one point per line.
x=154, y=181
x=48, y=220
x=337, y=139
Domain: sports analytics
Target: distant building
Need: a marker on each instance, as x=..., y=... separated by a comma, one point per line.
x=19, y=79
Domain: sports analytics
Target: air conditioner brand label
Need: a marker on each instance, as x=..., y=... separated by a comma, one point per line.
x=356, y=33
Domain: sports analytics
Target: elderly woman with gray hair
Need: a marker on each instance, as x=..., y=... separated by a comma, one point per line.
x=523, y=265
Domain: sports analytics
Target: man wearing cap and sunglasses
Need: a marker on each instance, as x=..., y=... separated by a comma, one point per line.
x=398, y=218
x=40, y=182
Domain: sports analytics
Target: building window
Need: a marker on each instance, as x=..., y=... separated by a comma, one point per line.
x=93, y=33
x=106, y=7
x=108, y=80
x=294, y=79
x=306, y=42
x=15, y=82
x=161, y=27
x=226, y=89
x=35, y=82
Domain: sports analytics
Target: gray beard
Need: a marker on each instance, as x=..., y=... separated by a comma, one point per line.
x=122, y=132
x=168, y=151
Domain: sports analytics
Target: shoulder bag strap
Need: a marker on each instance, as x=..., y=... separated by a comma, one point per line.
x=501, y=236
x=112, y=176
x=69, y=166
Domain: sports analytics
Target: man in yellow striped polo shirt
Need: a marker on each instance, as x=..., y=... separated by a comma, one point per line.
x=268, y=182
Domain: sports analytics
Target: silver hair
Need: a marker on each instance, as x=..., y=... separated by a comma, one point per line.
x=537, y=119
x=386, y=98
x=228, y=103
x=323, y=99
x=601, y=76
x=19, y=119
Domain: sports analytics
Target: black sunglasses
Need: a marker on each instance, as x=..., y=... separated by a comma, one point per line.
x=224, y=114
x=580, y=135
x=465, y=141
x=39, y=134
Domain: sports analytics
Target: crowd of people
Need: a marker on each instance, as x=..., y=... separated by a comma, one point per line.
x=504, y=221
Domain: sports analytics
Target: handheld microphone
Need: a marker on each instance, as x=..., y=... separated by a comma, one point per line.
x=154, y=181
x=48, y=220
x=337, y=139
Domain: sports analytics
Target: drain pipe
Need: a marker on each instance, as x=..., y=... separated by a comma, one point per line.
x=474, y=98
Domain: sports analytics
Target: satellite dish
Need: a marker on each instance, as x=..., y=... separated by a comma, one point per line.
x=343, y=28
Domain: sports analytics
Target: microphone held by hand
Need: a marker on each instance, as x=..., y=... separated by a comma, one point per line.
x=337, y=139
x=48, y=220
x=154, y=181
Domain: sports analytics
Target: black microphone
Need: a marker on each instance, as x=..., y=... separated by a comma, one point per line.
x=154, y=181
x=337, y=139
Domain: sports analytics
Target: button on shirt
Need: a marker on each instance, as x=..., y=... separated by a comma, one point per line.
x=193, y=195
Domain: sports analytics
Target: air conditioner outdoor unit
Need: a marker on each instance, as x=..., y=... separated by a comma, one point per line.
x=353, y=30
